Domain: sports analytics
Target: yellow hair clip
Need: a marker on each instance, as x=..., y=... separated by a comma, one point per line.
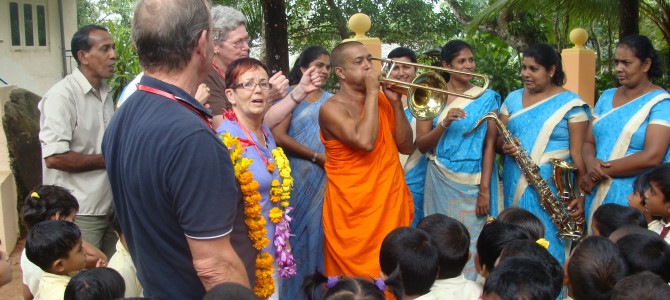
x=35, y=195
x=490, y=219
x=544, y=243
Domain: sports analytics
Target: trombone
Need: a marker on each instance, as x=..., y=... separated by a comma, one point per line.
x=427, y=93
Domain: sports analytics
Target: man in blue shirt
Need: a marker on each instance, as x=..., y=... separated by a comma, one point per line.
x=173, y=182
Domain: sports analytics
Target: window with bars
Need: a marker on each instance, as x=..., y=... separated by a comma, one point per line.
x=28, y=24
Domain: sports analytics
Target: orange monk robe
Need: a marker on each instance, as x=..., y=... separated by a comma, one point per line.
x=366, y=197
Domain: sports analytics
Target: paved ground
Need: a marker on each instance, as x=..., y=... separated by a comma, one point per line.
x=13, y=290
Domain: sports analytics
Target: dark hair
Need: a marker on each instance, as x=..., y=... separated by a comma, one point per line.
x=45, y=202
x=230, y=291
x=113, y=219
x=524, y=219
x=402, y=52
x=532, y=250
x=641, y=184
x=646, y=253
x=306, y=57
x=520, y=278
x=336, y=56
x=411, y=250
x=453, y=243
x=51, y=240
x=450, y=50
x=345, y=288
x=630, y=229
x=643, y=49
x=166, y=33
x=493, y=238
x=241, y=66
x=661, y=176
x=594, y=268
x=80, y=40
x=547, y=56
x=95, y=284
x=643, y=285
x=609, y=217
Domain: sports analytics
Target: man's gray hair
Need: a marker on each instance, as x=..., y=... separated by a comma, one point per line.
x=227, y=19
x=165, y=32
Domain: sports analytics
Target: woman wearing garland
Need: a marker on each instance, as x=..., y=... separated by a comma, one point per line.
x=298, y=134
x=630, y=132
x=261, y=169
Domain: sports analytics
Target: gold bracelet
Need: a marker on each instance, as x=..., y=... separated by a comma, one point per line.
x=489, y=195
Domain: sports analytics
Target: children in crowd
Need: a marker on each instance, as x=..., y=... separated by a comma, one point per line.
x=519, y=278
x=50, y=202
x=643, y=285
x=595, y=266
x=524, y=219
x=630, y=229
x=230, y=291
x=657, y=200
x=453, y=247
x=5, y=268
x=95, y=284
x=338, y=288
x=609, y=217
x=636, y=198
x=413, y=252
x=534, y=251
x=56, y=247
x=646, y=253
x=121, y=260
x=494, y=237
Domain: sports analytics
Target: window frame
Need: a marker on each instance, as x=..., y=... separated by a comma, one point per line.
x=35, y=24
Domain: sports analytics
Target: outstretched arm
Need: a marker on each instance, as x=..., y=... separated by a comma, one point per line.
x=309, y=82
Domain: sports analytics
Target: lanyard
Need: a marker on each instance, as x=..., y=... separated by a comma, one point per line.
x=251, y=140
x=172, y=97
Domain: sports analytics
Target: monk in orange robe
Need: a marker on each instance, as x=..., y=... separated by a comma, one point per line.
x=366, y=196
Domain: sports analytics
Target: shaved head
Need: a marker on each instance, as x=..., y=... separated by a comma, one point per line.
x=338, y=54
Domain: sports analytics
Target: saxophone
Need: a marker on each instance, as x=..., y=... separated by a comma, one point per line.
x=556, y=207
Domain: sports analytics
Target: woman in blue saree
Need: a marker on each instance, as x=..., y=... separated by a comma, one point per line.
x=415, y=164
x=461, y=180
x=298, y=134
x=630, y=133
x=549, y=122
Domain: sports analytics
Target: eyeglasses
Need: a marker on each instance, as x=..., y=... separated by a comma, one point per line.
x=239, y=44
x=250, y=85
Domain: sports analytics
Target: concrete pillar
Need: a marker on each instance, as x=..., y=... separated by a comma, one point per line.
x=579, y=65
x=360, y=24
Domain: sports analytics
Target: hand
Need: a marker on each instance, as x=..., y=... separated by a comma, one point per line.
x=482, y=209
x=202, y=93
x=279, y=88
x=587, y=184
x=321, y=159
x=391, y=93
x=372, y=81
x=101, y=263
x=511, y=149
x=93, y=255
x=311, y=81
x=594, y=170
x=576, y=208
x=454, y=114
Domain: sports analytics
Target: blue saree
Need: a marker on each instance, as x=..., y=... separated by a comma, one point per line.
x=307, y=198
x=415, y=174
x=454, y=171
x=620, y=132
x=542, y=129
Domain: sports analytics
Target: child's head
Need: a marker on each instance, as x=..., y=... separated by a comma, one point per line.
x=594, y=268
x=493, y=238
x=414, y=253
x=646, y=253
x=48, y=202
x=95, y=284
x=609, y=217
x=630, y=229
x=640, y=185
x=519, y=278
x=453, y=243
x=657, y=197
x=113, y=220
x=533, y=251
x=230, y=291
x=524, y=219
x=55, y=247
x=643, y=285
x=346, y=288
